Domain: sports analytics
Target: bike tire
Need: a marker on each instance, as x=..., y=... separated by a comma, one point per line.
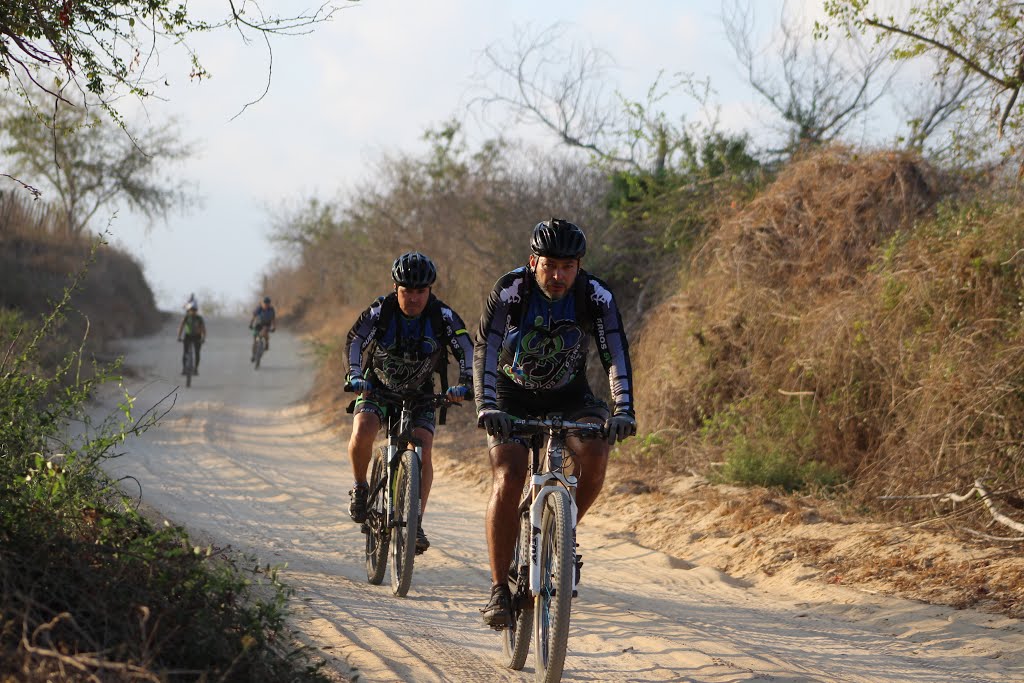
x=515, y=640
x=377, y=534
x=554, y=600
x=189, y=367
x=259, y=354
x=407, y=520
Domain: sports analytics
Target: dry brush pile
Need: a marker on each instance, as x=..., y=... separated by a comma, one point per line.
x=856, y=324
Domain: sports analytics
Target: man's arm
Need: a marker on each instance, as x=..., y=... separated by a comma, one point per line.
x=460, y=343
x=491, y=333
x=612, y=346
x=359, y=337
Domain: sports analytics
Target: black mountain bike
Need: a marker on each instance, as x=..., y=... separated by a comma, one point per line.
x=259, y=345
x=188, y=362
x=393, y=503
x=542, y=575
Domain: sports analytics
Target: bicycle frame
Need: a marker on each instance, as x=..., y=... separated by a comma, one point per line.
x=399, y=435
x=550, y=480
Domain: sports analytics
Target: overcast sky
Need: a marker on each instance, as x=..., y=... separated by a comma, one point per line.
x=371, y=81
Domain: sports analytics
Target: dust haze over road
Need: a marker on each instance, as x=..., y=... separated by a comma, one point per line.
x=241, y=460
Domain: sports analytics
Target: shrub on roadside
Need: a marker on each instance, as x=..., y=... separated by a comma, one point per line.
x=89, y=590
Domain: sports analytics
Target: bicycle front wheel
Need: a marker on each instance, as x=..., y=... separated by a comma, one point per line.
x=258, y=353
x=515, y=640
x=553, y=602
x=407, y=522
x=375, y=527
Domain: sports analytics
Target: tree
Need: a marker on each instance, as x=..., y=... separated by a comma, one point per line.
x=89, y=162
x=969, y=38
x=817, y=92
x=545, y=78
x=107, y=47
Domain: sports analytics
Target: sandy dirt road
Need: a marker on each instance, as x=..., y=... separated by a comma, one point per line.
x=242, y=460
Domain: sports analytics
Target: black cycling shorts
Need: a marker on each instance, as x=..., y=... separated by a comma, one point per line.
x=574, y=402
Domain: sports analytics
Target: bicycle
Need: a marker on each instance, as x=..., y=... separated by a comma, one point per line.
x=259, y=345
x=542, y=573
x=393, y=502
x=188, y=362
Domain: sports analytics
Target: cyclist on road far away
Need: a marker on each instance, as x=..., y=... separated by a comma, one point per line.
x=529, y=360
x=192, y=330
x=263, y=323
x=405, y=337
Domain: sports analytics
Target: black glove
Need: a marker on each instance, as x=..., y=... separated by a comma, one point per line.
x=496, y=422
x=619, y=426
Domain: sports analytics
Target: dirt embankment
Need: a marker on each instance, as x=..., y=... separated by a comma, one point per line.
x=783, y=539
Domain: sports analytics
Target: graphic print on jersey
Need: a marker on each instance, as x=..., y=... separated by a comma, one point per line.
x=404, y=357
x=547, y=353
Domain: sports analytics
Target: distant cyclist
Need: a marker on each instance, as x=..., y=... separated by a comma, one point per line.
x=192, y=330
x=262, y=324
x=530, y=360
x=404, y=337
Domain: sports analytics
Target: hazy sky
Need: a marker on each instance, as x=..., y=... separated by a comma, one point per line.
x=371, y=81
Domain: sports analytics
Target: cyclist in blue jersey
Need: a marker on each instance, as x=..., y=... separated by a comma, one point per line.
x=263, y=322
x=530, y=360
x=404, y=337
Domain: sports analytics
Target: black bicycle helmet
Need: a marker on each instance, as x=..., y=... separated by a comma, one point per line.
x=558, y=239
x=413, y=270
x=266, y=299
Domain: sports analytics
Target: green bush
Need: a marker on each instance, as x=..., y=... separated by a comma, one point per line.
x=89, y=589
x=769, y=444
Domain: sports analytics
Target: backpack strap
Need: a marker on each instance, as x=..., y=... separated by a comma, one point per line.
x=584, y=310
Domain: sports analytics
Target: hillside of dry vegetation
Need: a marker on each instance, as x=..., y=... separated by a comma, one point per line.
x=37, y=260
x=854, y=328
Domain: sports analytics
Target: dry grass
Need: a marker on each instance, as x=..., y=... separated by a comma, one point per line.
x=853, y=315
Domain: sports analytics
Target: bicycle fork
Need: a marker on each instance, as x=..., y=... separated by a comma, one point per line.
x=393, y=462
x=546, y=485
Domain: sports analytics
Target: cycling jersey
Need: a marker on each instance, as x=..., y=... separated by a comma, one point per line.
x=405, y=354
x=539, y=345
x=265, y=316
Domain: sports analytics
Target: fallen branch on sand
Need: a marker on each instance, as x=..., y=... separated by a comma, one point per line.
x=986, y=498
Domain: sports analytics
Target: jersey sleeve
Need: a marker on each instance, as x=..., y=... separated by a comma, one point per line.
x=360, y=336
x=612, y=345
x=459, y=343
x=493, y=326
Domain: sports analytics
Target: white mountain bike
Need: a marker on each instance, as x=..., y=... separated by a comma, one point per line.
x=543, y=572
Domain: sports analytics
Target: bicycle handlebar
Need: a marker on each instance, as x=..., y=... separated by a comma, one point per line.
x=435, y=400
x=530, y=425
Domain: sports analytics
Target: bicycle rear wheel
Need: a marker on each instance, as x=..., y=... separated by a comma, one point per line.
x=375, y=526
x=553, y=602
x=515, y=640
x=407, y=522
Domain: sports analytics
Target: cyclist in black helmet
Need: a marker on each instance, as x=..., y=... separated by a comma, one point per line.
x=530, y=360
x=263, y=322
x=404, y=337
x=192, y=331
